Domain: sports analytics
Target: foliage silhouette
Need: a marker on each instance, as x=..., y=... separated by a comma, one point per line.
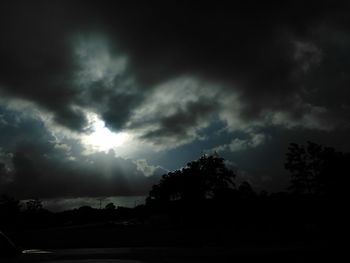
x=10, y=204
x=110, y=206
x=201, y=202
x=34, y=205
x=9, y=210
x=316, y=169
x=246, y=191
x=205, y=178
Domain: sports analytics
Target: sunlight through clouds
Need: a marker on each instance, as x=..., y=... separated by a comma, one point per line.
x=101, y=138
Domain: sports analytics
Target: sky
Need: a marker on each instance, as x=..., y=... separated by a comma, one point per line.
x=100, y=98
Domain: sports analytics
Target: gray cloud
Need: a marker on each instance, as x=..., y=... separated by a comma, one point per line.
x=85, y=55
x=36, y=62
x=164, y=73
x=149, y=170
x=238, y=144
x=174, y=112
x=34, y=162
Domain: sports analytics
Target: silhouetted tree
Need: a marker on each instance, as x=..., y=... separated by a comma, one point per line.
x=9, y=204
x=9, y=210
x=204, y=178
x=110, y=206
x=315, y=169
x=34, y=205
x=245, y=190
x=304, y=164
x=264, y=194
x=3, y=171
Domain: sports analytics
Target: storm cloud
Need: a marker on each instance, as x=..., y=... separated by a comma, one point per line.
x=34, y=162
x=165, y=74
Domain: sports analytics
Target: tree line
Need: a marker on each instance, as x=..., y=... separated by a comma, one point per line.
x=205, y=191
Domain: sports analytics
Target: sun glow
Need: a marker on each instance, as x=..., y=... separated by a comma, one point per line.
x=102, y=139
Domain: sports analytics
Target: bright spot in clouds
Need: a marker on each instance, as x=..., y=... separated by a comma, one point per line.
x=102, y=139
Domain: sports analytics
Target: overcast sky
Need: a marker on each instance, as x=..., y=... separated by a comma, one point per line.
x=100, y=98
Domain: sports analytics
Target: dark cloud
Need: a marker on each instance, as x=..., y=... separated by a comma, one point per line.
x=36, y=62
x=164, y=72
x=181, y=124
x=119, y=110
x=33, y=163
x=249, y=46
x=253, y=50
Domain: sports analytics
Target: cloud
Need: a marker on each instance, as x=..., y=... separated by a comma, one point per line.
x=164, y=73
x=105, y=84
x=35, y=162
x=36, y=63
x=255, y=66
x=174, y=112
x=307, y=55
x=149, y=170
x=238, y=144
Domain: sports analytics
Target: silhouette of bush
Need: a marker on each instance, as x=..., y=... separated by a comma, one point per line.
x=110, y=206
x=206, y=178
x=316, y=169
x=9, y=210
x=34, y=205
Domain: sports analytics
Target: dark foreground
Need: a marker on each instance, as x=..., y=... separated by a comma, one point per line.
x=171, y=254
x=104, y=243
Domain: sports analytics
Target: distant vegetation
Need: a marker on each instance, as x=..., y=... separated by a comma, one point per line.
x=204, y=194
x=206, y=178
